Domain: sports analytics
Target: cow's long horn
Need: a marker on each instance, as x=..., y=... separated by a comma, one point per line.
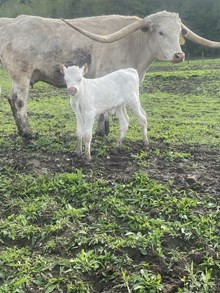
x=197, y=39
x=111, y=37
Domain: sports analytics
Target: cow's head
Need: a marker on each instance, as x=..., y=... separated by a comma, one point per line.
x=166, y=27
x=73, y=77
x=162, y=33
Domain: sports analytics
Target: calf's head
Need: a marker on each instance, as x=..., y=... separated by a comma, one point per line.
x=73, y=77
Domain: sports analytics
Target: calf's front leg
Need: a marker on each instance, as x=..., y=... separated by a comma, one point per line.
x=79, y=134
x=89, y=120
x=79, y=146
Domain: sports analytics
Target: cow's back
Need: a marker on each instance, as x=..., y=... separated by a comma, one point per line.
x=41, y=44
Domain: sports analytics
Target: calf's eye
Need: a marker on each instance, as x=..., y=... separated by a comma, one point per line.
x=161, y=33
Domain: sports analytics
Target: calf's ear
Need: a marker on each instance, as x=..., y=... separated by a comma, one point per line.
x=62, y=67
x=85, y=68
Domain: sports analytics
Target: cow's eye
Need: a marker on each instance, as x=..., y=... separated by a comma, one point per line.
x=161, y=33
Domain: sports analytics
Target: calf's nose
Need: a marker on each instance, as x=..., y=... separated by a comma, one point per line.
x=72, y=90
x=178, y=57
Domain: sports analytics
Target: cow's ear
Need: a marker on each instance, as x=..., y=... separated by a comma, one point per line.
x=62, y=67
x=85, y=68
x=184, y=32
x=148, y=25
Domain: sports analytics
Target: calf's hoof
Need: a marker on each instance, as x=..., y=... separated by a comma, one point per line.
x=145, y=144
x=87, y=161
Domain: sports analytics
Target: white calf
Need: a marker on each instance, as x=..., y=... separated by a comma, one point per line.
x=91, y=97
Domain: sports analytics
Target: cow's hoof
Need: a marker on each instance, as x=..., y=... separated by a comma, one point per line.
x=100, y=133
x=28, y=137
x=107, y=128
x=116, y=149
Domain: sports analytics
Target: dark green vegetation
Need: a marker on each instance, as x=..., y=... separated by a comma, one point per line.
x=202, y=16
x=136, y=220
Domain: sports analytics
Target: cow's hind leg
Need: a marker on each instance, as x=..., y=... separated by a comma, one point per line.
x=103, y=125
x=18, y=102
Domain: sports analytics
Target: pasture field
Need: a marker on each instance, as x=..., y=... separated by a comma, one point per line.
x=143, y=220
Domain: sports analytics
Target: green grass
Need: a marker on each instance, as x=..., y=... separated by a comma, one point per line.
x=116, y=229
x=67, y=233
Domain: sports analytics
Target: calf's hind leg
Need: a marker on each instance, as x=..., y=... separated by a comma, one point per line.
x=123, y=121
x=142, y=120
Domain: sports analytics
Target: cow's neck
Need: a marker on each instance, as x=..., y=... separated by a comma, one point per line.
x=142, y=54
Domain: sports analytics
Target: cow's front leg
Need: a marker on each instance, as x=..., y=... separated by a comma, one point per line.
x=18, y=102
x=103, y=125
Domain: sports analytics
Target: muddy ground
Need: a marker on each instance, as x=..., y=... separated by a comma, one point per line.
x=199, y=172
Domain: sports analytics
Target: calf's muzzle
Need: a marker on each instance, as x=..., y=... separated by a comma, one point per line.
x=73, y=90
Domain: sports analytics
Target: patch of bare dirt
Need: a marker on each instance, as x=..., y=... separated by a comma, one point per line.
x=200, y=172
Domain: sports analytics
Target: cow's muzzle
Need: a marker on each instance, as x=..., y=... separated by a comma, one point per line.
x=178, y=57
x=73, y=90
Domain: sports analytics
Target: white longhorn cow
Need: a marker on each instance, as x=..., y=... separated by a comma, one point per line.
x=32, y=47
x=91, y=97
